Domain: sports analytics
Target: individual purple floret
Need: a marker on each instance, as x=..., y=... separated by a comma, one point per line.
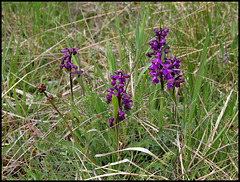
x=118, y=91
x=66, y=61
x=166, y=69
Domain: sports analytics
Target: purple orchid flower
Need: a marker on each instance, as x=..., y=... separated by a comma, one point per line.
x=118, y=91
x=166, y=69
x=66, y=61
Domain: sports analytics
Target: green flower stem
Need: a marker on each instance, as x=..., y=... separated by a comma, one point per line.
x=161, y=105
x=71, y=86
x=161, y=112
x=74, y=136
x=117, y=135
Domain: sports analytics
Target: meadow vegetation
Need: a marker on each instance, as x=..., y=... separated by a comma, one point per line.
x=184, y=133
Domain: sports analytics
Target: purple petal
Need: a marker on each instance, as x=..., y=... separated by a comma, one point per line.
x=155, y=79
x=169, y=85
x=110, y=122
x=113, y=82
x=153, y=73
x=153, y=67
x=167, y=71
x=127, y=107
x=126, y=75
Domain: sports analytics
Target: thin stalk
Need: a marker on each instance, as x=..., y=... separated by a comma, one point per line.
x=117, y=135
x=161, y=104
x=161, y=112
x=117, y=129
x=74, y=136
x=71, y=86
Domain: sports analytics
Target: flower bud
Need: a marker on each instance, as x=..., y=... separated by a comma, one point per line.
x=41, y=87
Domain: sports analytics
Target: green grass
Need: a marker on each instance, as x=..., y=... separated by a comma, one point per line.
x=196, y=141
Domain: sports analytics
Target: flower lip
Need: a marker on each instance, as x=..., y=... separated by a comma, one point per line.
x=166, y=30
x=165, y=65
x=74, y=51
x=64, y=50
x=121, y=85
x=153, y=67
x=157, y=60
x=170, y=85
x=113, y=82
x=155, y=79
x=127, y=107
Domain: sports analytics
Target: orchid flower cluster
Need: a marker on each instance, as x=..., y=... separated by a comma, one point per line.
x=66, y=61
x=167, y=69
x=122, y=96
x=161, y=70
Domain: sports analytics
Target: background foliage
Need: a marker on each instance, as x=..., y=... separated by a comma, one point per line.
x=200, y=130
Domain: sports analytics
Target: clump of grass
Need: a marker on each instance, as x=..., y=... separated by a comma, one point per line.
x=199, y=138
